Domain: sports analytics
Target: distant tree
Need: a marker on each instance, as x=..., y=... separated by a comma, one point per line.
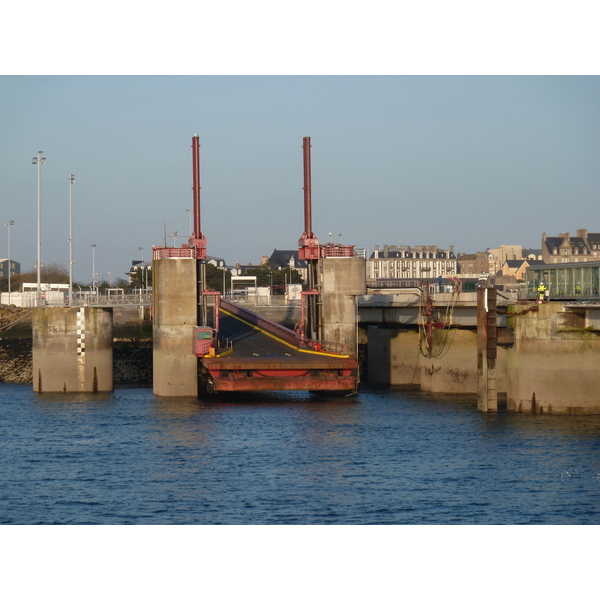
x=265, y=276
x=52, y=273
x=214, y=278
x=139, y=278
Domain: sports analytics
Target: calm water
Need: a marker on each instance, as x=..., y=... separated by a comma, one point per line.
x=382, y=457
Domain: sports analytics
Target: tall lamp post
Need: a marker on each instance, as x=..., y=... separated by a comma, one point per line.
x=71, y=182
x=9, y=265
x=39, y=161
x=93, y=266
x=142, y=248
x=191, y=213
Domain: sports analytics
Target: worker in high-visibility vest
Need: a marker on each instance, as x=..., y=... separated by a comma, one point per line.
x=541, y=291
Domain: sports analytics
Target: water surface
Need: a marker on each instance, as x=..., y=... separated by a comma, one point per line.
x=384, y=456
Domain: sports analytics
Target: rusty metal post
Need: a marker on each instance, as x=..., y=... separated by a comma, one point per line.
x=487, y=393
x=197, y=240
x=307, y=188
x=309, y=249
x=196, y=182
x=308, y=243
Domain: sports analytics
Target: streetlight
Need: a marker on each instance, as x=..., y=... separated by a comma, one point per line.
x=9, y=265
x=39, y=161
x=191, y=212
x=93, y=266
x=71, y=182
x=142, y=248
x=175, y=235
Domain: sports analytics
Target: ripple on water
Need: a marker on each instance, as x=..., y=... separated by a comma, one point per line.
x=381, y=457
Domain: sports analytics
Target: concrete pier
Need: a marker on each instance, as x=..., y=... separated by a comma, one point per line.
x=72, y=349
x=553, y=364
x=175, y=366
x=342, y=279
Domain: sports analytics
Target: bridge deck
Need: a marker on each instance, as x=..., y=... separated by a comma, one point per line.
x=260, y=361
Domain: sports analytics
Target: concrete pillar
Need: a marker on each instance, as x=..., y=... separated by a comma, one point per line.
x=553, y=364
x=341, y=280
x=72, y=349
x=175, y=366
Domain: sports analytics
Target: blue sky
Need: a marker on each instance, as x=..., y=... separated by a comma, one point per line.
x=472, y=161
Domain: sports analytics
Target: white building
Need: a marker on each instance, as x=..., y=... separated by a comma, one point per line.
x=405, y=262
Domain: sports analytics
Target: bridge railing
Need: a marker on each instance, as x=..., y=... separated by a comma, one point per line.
x=283, y=333
x=243, y=299
x=117, y=300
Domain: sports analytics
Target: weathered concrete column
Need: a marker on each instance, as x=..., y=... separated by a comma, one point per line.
x=553, y=364
x=175, y=366
x=342, y=279
x=487, y=392
x=72, y=349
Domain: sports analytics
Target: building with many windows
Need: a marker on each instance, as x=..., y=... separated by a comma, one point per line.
x=584, y=247
x=15, y=267
x=406, y=262
x=473, y=264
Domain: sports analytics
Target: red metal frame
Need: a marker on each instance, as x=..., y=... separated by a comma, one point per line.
x=197, y=240
x=308, y=244
x=228, y=375
x=183, y=252
x=217, y=296
x=301, y=328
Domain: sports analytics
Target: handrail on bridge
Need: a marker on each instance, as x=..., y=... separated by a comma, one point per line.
x=289, y=336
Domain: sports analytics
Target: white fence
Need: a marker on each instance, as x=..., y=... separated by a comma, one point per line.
x=29, y=299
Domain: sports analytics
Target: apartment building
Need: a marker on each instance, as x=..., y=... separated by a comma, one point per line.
x=406, y=262
x=565, y=248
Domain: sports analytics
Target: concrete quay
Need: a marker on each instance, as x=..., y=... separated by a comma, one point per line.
x=540, y=358
x=544, y=356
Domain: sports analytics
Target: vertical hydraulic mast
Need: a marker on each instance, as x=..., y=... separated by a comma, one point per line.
x=197, y=240
x=309, y=248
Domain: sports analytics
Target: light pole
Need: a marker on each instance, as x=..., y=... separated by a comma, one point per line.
x=175, y=235
x=191, y=213
x=39, y=161
x=93, y=266
x=71, y=182
x=9, y=265
x=142, y=248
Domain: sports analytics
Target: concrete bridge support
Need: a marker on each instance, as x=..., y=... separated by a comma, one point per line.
x=553, y=365
x=72, y=349
x=342, y=279
x=175, y=366
x=395, y=357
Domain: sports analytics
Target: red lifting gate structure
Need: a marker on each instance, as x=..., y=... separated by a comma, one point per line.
x=263, y=355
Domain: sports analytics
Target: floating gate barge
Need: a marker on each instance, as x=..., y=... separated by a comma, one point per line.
x=265, y=356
